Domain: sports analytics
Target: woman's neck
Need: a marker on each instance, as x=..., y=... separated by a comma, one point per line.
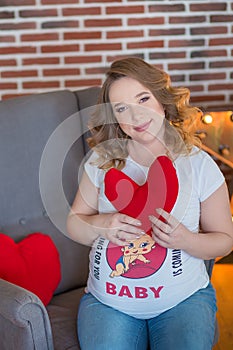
x=146, y=154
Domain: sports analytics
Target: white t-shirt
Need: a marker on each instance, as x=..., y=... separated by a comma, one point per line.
x=152, y=279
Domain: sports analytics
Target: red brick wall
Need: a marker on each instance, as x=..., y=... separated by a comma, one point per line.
x=57, y=44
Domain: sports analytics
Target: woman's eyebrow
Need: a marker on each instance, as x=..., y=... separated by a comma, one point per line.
x=137, y=96
x=118, y=104
x=142, y=93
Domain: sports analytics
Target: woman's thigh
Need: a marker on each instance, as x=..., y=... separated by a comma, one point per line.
x=188, y=326
x=102, y=327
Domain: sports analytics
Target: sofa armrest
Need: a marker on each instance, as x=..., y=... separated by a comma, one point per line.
x=24, y=322
x=209, y=266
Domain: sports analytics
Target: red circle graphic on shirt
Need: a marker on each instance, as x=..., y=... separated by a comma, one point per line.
x=133, y=262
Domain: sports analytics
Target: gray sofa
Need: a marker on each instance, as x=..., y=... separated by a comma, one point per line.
x=26, y=125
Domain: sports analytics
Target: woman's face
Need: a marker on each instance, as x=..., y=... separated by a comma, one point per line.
x=136, y=109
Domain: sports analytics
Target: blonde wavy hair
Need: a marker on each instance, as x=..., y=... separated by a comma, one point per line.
x=109, y=140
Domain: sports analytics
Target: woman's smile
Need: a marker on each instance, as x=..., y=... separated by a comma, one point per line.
x=143, y=127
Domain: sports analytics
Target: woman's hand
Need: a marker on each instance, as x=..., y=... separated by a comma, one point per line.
x=171, y=233
x=118, y=228
x=85, y=224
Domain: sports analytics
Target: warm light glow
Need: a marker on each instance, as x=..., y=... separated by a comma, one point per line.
x=201, y=134
x=224, y=150
x=207, y=119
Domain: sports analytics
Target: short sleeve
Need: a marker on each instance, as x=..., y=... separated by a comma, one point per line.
x=210, y=177
x=94, y=173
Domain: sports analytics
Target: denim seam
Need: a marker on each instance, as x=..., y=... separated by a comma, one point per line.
x=139, y=334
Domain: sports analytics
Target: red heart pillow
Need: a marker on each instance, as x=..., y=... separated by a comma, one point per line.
x=33, y=264
x=159, y=191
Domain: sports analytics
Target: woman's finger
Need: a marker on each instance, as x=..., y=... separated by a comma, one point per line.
x=157, y=223
x=170, y=220
x=129, y=220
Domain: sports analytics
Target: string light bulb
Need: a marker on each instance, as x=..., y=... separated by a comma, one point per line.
x=201, y=134
x=224, y=150
x=207, y=119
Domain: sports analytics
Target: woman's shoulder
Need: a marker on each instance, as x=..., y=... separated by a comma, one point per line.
x=198, y=156
x=91, y=167
x=195, y=157
x=204, y=165
x=91, y=158
x=199, y=162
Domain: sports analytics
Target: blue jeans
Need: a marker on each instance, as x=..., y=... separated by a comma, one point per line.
x=188, y=326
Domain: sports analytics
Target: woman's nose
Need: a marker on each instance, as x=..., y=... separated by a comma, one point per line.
x=137, y=112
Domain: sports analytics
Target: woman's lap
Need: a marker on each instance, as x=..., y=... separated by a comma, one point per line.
x=102, y=327
x=189, y=325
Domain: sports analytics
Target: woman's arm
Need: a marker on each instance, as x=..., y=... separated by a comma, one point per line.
x=216, y=237
x=85, y=224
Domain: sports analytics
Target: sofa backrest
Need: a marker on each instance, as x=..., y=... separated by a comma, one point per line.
x=26, y=125
x=86, y=108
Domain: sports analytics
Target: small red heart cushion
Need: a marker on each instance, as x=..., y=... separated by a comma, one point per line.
x=33, y=264
x=159, y=191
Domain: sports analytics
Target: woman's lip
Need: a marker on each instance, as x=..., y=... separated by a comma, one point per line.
x=142, y=127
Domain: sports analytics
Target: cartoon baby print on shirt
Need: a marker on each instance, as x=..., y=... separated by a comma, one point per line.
x=134, y=250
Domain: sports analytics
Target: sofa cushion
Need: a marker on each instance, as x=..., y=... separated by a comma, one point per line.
x=26, y=125
x=73, y=256
x=62, y=312
x=33, y=264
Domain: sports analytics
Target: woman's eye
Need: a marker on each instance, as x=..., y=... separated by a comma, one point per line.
x=144, y=99
x=121, y=109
